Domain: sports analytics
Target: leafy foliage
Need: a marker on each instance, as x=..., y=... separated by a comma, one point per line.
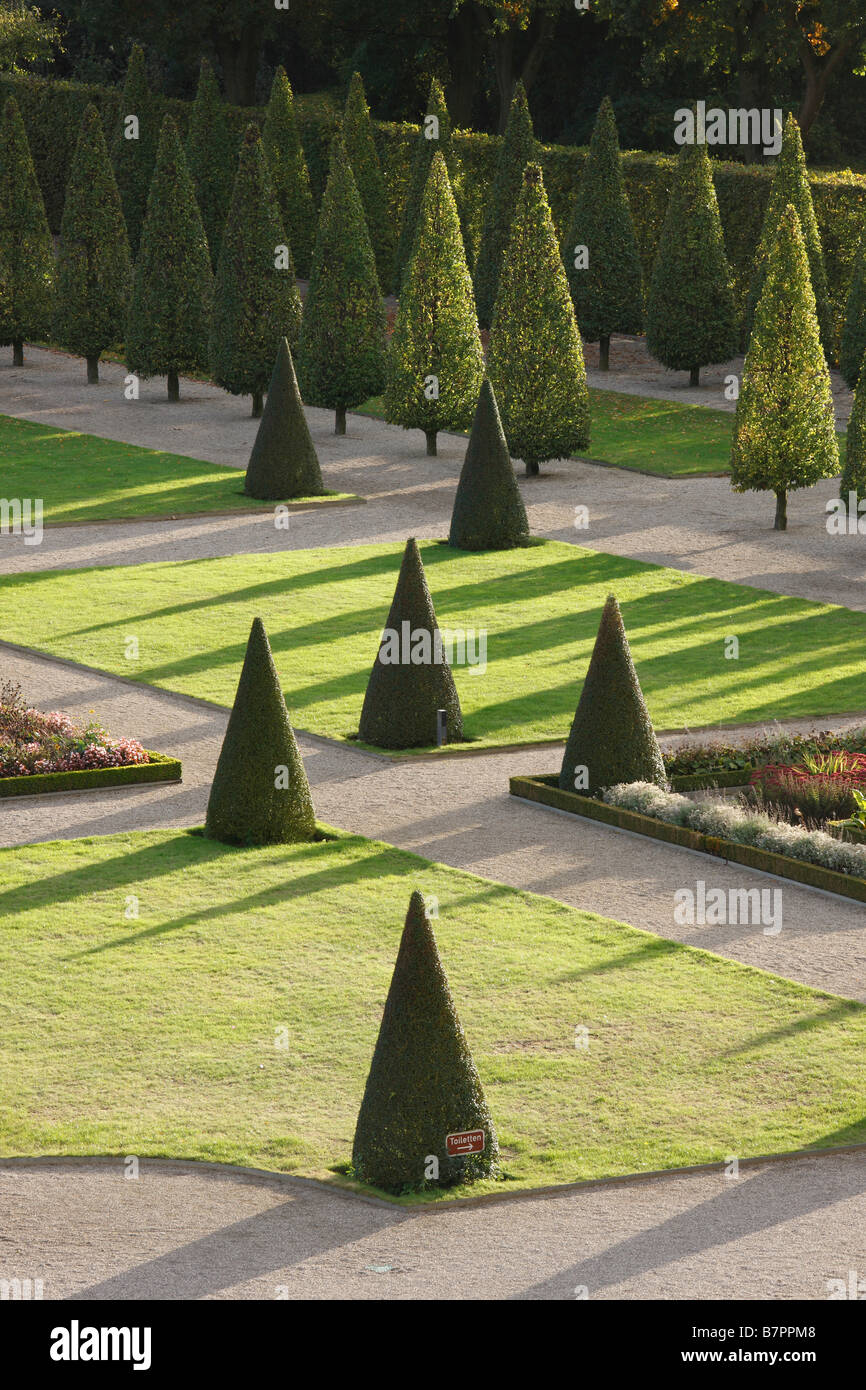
x=364, y=160
x=211, y=152
x=289, y=175
x=26, y=251
x=518, y=149
x=133, y=153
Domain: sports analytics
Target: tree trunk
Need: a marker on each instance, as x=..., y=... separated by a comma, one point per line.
x=340, y=420
x=257, y=405
x=817, y=80
x=781, y=522
x=531, y=468
x=239, y=60
x=695, y=376
x=465, y=57
x=18, y=353
x=604, y=352
x=431, y=443
x=93, y=370
x=173, y=387
x=502, y=47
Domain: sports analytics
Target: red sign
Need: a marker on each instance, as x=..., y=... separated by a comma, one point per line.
x=469, y=1141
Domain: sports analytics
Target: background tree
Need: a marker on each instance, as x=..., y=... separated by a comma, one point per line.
x=361, y=152
x=133, y=150
x=26, y=249
x=27, y=38
x=691, y=319
x=283, y=462
x=785, y=432
x=289, y=174
x=341, y=362
x=535, y=357
x=518, y=149
x=488, y=512
x=607, y=284
x=854, y=330
x=435, y=363
x=434, y=137
x=167, y=324
x=256, y=301
x=211, y=154
x=94, y=266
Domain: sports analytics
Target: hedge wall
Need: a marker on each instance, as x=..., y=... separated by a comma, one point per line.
x=52, y=114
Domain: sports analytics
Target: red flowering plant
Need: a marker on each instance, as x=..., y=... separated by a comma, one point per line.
x=32, y=742
x=822, y=787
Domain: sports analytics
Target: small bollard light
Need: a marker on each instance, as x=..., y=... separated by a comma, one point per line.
x=441, y=727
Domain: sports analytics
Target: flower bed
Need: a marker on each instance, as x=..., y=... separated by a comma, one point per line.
x=696, y=764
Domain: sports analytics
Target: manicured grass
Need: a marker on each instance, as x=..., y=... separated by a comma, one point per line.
x=81, y=477
x=157, y=1035
x=324, y=611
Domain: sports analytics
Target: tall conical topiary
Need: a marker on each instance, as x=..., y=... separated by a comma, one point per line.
x=341, y=362
x=434, y=137
x=256, y=300
x=611, y=738
x=791, y=185
x=283, y=462
x=411, y=678
x=289, y=174
x=167, y=324
x=854, y=330
x=94, y=266
x=134, y=147
x=361, y=153
x=518, y=149
x=436, y=362
x=26, y=252
x=784, y=431
x=535, y=357
x=260, y=794
x=691, y=316
x=211, y=153
x=600, y=250
x=423, y=1084
x=488, y=509
x=853, y=478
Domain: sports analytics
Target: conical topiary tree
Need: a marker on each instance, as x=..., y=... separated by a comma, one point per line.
x=289, y=174
x=260, y=794
x=94, y=266
x=26, y=252
x=434, y=137
x=488, y=509
x=854, y=330
x=534, y=357
x=423, y=1085
x=283, y=462
x=784, y=430
x=256, y=300
x=611, y=738
x=691, y=318
x=361, y=153
x=341, y=362
x=600, y=250
x=436, y=362
x=167, y=324
x=211, y=154
x=853, y=478
x=411, y=678
x=518, y=149
x=791, y=185
x=133, y=149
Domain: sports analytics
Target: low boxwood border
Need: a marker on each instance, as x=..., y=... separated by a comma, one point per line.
x=547, y=792
x=158, y=769
x=702, y=781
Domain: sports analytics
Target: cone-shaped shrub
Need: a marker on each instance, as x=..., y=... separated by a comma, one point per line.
x=436, y=362
x=518, y=149
x=535, y=357
x=167, y=325
x=784, y=431
x=600, y=250
x=283, y=462
x=423, y=1084
x=411, y=678
x=361, y=153
x=260, y=794
x=26, y=252
x=611, y=738
x=488, y=509
x=854, y=468
x=434, y=137
x=691, y=318
x=342, y=356
x=289, y=174
x=94, y=267
x=256, y=300
x=854, y=330
x=791, y=185
x=133, y=149
x=211, y=153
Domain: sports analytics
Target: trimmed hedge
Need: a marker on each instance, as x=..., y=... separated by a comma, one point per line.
x=159, y=769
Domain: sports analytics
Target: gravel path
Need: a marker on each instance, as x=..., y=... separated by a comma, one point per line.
x=180, y=1231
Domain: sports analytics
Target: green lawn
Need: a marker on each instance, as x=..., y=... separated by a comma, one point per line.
x=324, y=611
x=81, y=477
x=157, y=1035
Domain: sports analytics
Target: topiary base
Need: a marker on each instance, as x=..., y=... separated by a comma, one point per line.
x=158, y=769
